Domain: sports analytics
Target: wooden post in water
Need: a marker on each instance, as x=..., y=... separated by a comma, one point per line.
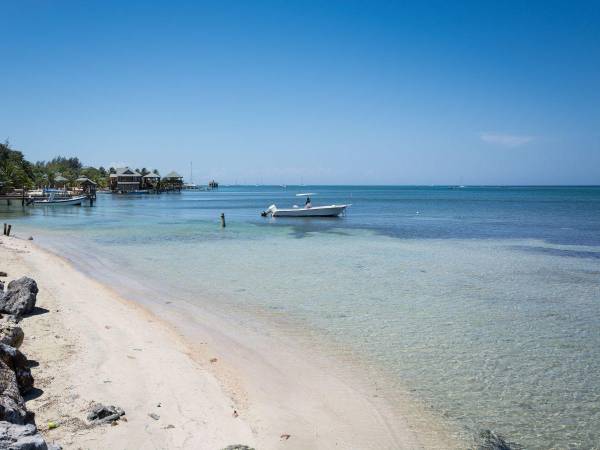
x=8, y=229
x=223, y=220
x=4, y=229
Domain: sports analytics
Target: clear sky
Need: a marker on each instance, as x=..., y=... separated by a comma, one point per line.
x=320, y=92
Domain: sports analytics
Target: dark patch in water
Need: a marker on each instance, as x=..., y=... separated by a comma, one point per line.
x=420, y=227
x=559, y=252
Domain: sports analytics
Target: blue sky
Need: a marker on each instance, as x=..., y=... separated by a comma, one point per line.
x=319, y=92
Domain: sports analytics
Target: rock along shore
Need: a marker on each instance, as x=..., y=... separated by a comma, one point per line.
x=18, y=430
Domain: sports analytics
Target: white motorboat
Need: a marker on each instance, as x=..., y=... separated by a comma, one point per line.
x=307, y=211
x=314, y=211
x=54, y=201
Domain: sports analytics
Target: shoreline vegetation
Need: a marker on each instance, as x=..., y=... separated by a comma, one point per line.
x=18, y=173
x=24, y=179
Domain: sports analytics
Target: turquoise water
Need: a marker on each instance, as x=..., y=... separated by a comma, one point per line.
x=484, y=302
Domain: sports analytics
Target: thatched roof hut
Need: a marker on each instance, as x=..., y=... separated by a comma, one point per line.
x=172, y=182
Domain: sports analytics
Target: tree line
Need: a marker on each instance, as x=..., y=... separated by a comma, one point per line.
x=18, y=173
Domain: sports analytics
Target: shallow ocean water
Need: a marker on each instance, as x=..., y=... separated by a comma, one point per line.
x=484, y=302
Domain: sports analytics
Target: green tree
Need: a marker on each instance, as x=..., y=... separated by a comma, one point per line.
x=15, y=170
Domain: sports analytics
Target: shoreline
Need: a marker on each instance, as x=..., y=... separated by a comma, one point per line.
x=302, y=399
x=92, y=346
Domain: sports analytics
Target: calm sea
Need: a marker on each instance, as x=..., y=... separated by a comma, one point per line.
x=484, y=301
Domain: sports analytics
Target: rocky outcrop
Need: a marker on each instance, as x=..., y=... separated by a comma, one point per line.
x=17, y=362
x=104, y=414
x=19, y=298
x=22, y=437
x=12, y=406
x=17, y=427
x=11, y=334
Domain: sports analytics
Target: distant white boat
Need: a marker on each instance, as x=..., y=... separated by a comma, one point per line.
x=315, y=211
x=53, y=201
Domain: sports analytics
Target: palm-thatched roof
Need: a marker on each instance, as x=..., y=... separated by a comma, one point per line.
x=84, y=179
x=172, y=175
x=125, y=172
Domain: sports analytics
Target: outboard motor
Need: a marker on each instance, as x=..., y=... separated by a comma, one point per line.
x=268, y=211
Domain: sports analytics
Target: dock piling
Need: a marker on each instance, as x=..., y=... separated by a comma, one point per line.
x=8, y=229
x=223, y=220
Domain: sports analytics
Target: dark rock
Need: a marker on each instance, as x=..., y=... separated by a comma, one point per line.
x=24, y=282
x=238, y=447
x=3, y=274
x=17, y=361
x=12, y=405
x=23, y=437
x=154, y=416
x=20, y=437
x=20, y=297
x=105, y=414
x=11, y=334
x=488, y=440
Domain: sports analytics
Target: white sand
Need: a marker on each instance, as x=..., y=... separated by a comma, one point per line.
x=94, y=346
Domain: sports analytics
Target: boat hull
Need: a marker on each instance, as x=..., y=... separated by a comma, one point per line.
x=75, y=201
x=317, y=211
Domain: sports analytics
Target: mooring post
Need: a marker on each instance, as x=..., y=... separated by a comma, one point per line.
x=4, y=228
x=8, y=229
x=222, y=220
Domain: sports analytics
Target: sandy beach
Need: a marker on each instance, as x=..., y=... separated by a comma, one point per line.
x=94, y=346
